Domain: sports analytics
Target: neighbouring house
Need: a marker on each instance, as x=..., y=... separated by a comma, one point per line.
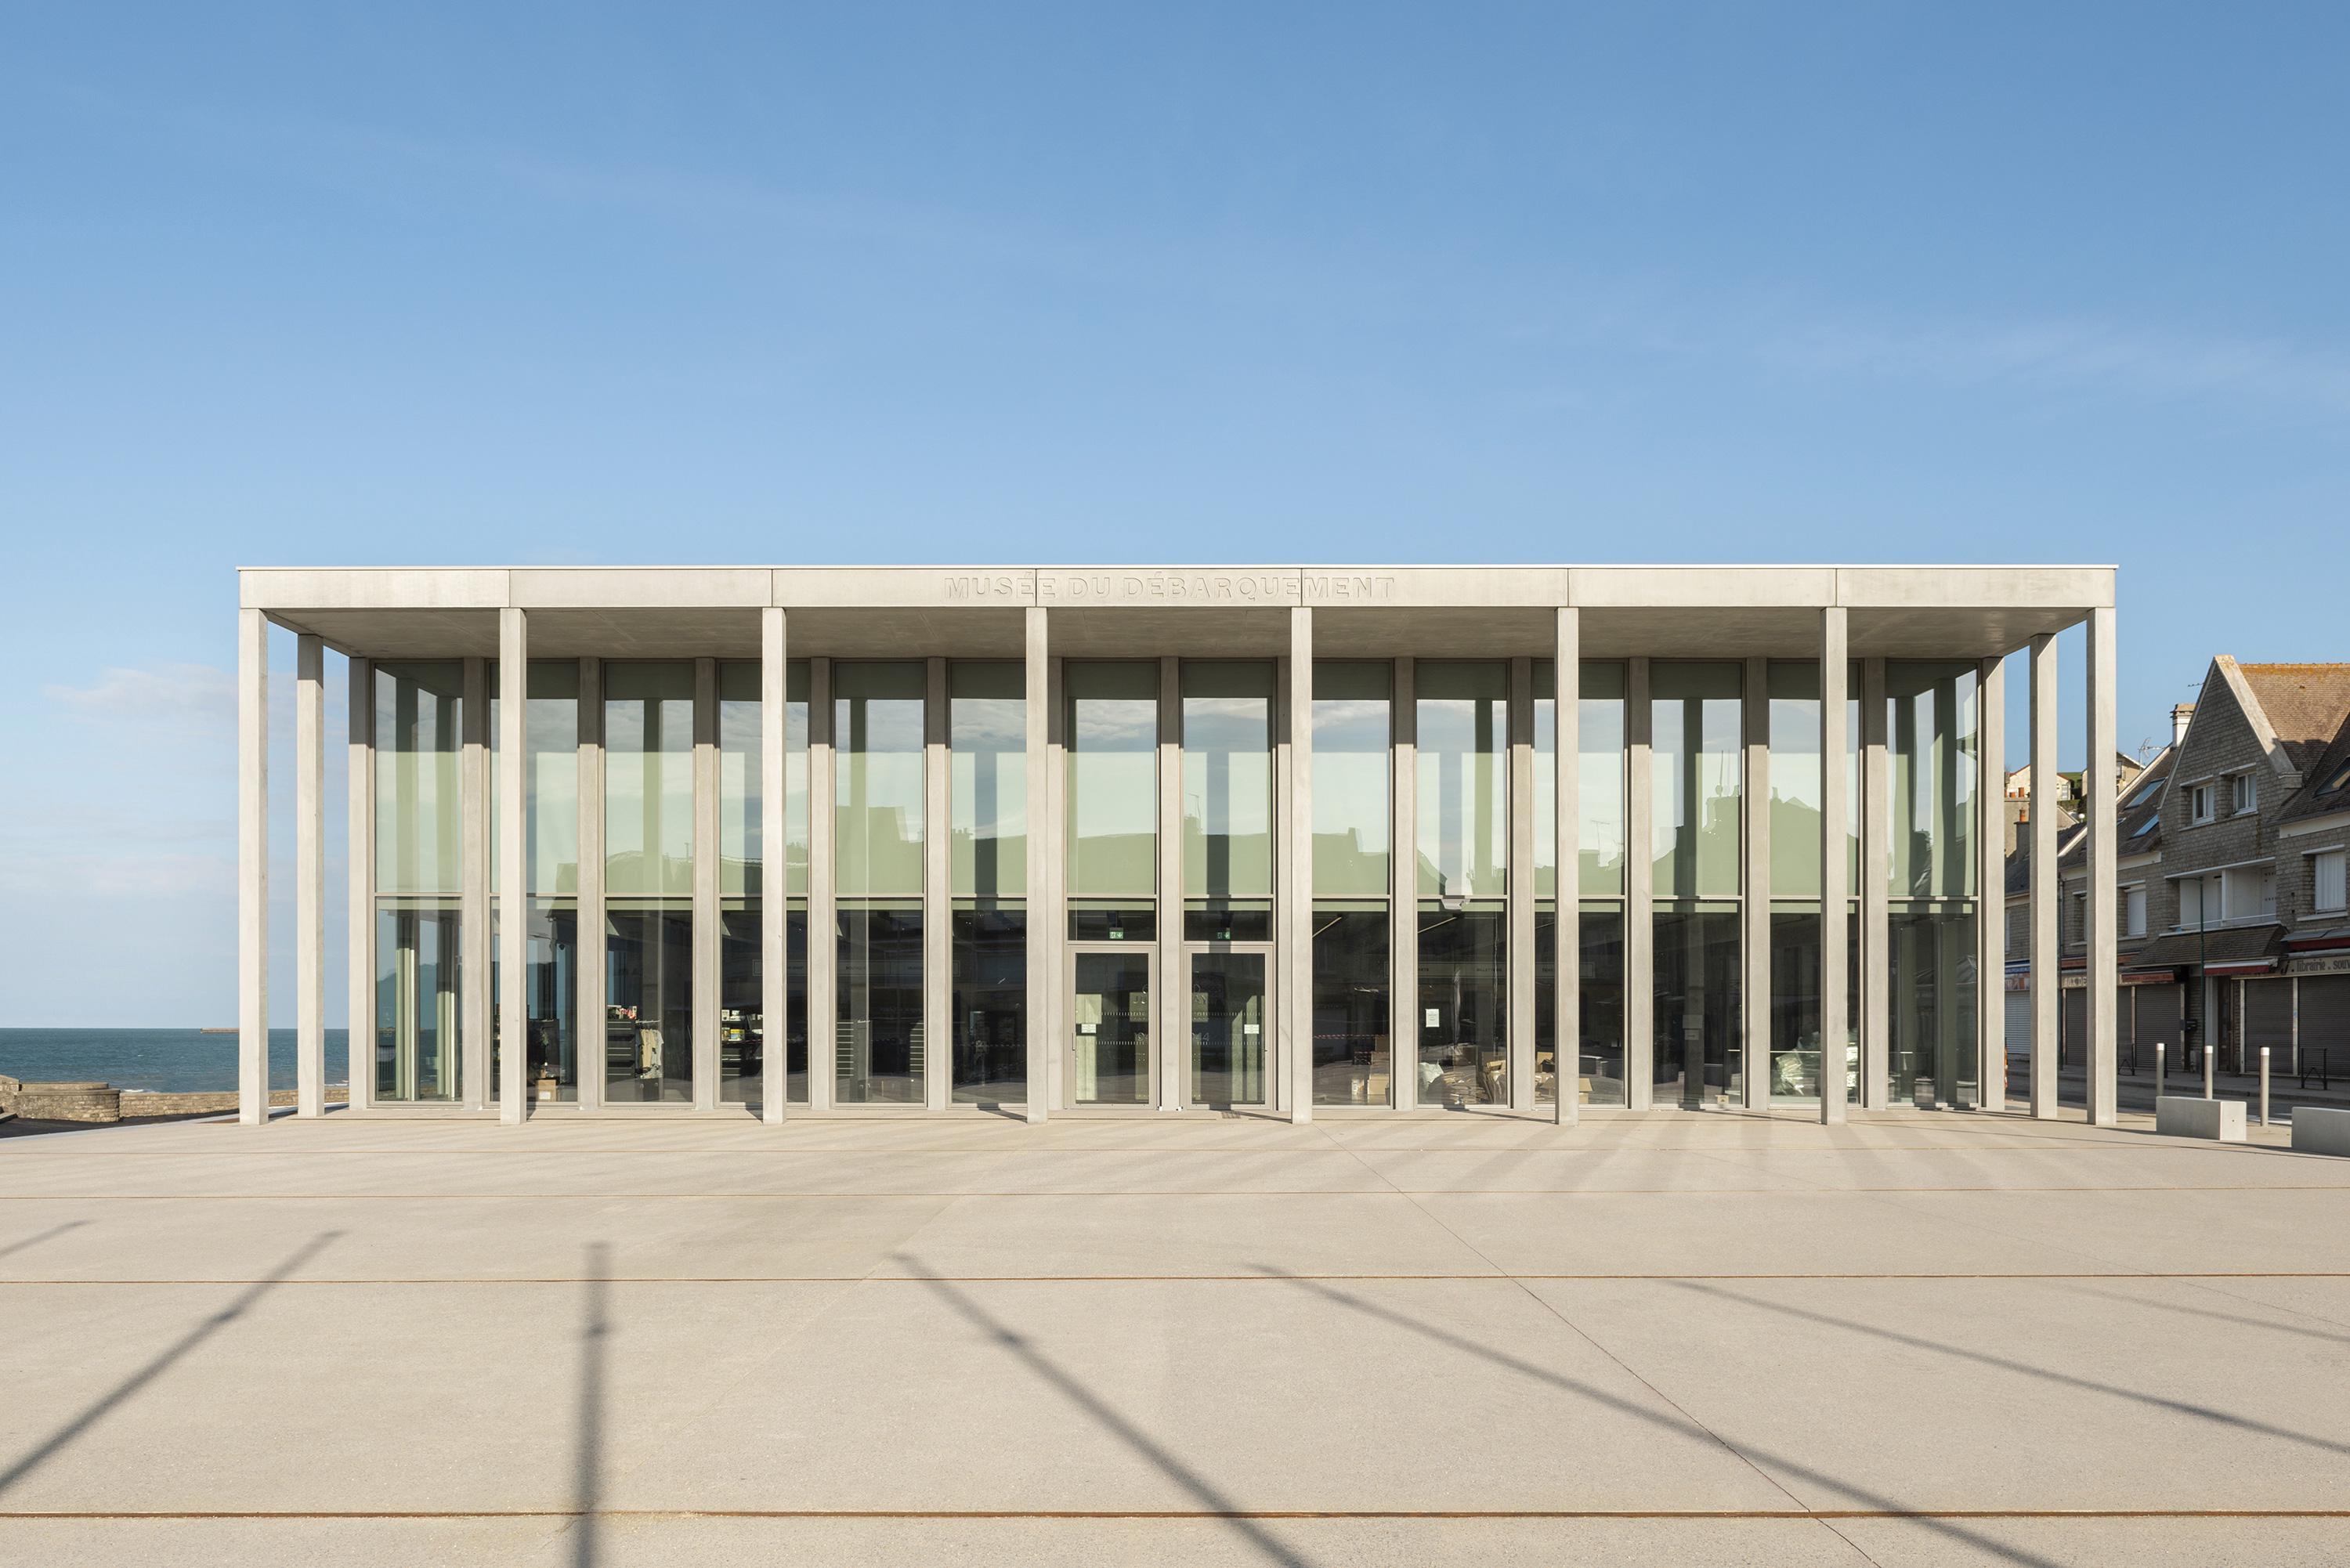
x=2231, y=846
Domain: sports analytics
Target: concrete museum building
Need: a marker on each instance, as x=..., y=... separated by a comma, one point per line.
x=1099, y=840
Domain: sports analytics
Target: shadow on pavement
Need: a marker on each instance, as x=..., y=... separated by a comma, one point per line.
x=63, y=1438
x=1118, y=1425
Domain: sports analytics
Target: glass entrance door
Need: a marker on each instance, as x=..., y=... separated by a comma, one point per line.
x=1108, y=1044
x=1230, y=1009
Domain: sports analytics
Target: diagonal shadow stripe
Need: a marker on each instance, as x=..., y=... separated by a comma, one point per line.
x=1117, y=1425
x=56, y=1441
x=51, y=1234
x=2024, y=1368
x=1976, y=1540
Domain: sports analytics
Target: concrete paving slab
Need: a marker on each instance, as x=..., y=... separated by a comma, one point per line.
x=1730, y=1232
x=410, y=1238
x=1207, y=1321
x=1942, y=1401
x=1159, y=1235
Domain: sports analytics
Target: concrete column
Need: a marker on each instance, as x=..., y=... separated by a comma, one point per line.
x=706, y=916
x=1754, y=892
x=775, y=907
x=1836, y=895
x=1520, y=886
x=1639, y=878
x=360, y=981
x=2047, y=897
x=252, y=867
x=1293, y=881
x=309, y=876
x=593, y=945
x=823, y=925
x=1403, y=881
x=938, y=945
x=2104, y=891
x=1044, y=846
x=1990, y=888
x=1276, y=1062
x=514, y=865
x=1875, y=899
x=473, y=940
x=1172, y=1001
x=1568, y=1027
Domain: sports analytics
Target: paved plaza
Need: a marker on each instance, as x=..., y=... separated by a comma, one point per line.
x=1681, y=1338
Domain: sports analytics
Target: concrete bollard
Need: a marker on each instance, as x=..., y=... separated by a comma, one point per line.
x=2176, y=1116
x=2264, y=1086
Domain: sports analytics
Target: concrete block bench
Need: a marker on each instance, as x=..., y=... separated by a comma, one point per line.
x=2181, y=1116
x=2317, y=1131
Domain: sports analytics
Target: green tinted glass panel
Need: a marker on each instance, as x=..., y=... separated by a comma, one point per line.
x=1112, y=784
x=1696, y=730
x=1463, y=781
x=1228, y=778
x=1795, y=783
x=987, y=778
x=1930, y=746
x=648, y=779
x=878, y=769
x=741, y=820
x=419, y=733
x=1354, y=702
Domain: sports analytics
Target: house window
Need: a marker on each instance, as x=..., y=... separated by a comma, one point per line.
x=2243, y=794
x=2133, y=912
x=2248, y=893
x=2198, y=803
x=2190, y=901
x=2326, y=881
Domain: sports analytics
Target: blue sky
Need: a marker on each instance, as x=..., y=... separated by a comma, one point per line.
x=438, y=283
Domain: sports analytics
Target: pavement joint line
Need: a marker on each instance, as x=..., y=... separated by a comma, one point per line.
x=1494, y=1278
x=560, y=1195
x=1622, y=1366
x=1788, y=1515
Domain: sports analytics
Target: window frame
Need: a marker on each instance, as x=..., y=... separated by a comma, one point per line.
x=2341, y=858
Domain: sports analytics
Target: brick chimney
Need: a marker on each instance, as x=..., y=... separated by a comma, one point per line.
x=2180, y=716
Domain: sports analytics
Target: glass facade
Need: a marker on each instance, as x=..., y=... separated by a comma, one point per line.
x=878, y=740
x=419, y=879
x=1463, y=784
x=878, y=1044
x=1353, y=736
x=648, y=1050
x=1112, y=787
x=1215, y=968
x=1464, y=985
x=1931, y=735
x=1227, y=779
x=987, y=810
x=742, y=885
x=1697, y=733
x=1352, y=1005
x=989, y=1005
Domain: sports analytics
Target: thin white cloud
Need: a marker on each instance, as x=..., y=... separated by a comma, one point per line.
x=2107, y=357
x=171, y=693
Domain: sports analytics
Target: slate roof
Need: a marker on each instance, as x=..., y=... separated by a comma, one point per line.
x=2234, y=944
x=2326, y=786
x=2074, y=852
x=2306, y=705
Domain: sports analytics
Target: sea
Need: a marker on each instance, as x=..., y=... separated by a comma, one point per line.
x=170, y=1061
